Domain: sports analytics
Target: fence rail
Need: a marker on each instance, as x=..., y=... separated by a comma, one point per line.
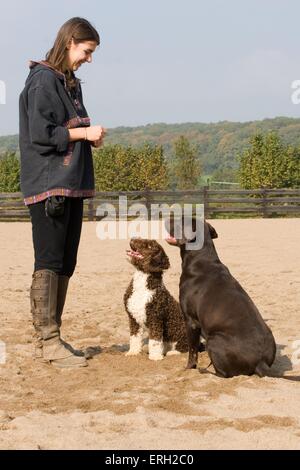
x=223, y=202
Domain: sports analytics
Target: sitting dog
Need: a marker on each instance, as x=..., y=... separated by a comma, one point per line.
x=214, y=304
x=149, y=304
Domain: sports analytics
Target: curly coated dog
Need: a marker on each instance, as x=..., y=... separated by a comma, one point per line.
x=215, y=305
x=149, y=304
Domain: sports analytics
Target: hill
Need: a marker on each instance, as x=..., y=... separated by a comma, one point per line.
x=218, y=143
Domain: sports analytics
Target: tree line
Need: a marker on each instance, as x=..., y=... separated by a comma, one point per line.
x=267, y=162
x=218, y=144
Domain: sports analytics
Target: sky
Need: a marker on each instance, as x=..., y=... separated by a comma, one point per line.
x=169, y=61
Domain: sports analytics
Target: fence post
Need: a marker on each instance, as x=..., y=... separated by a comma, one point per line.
x=205, y=200
x=264, y=203
x=148, y=203
x=91, y=210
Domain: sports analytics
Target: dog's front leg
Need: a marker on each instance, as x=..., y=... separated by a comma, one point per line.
x=156, y=349
x=136, y=337
x=193, y=337
x=156, y=341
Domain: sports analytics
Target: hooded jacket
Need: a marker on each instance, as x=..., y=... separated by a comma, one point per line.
x=50, y=164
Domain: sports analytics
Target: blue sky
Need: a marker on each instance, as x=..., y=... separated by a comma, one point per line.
x=164, y=60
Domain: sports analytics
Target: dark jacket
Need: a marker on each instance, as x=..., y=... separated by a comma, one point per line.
x=50, y=164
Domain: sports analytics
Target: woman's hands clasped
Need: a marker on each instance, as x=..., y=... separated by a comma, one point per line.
x=95, y=134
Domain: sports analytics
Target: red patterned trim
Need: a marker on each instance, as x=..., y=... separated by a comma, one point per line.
x=59, y=192
x=69, y=154
x=77, y=122
x=71, y=124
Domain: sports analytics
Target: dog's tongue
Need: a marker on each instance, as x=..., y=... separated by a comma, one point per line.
x=171, y=239
x=134, y=254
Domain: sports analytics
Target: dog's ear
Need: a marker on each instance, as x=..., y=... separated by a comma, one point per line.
x=212, y=231
x=160, y=260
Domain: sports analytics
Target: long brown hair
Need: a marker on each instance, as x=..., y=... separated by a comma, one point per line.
x=80, y=30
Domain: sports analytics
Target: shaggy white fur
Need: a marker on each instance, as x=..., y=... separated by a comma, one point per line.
x=156, y=350
x=140, y=297
x=136, y=343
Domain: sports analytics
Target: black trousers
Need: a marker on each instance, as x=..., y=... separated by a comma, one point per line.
x=56, y=239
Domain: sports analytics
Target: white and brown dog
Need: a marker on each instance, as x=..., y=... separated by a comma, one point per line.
x=149, y=304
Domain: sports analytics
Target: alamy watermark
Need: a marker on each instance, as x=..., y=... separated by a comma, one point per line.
x=295, y=96
x=2, y=92
x=154, y=221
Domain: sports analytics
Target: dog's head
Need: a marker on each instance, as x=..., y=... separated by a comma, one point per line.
x=147, y=255
x=189, y=231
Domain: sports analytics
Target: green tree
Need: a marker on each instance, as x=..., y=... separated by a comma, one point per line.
x=187, y=166
x=119, y=168
x=268, y=163
x=249, y=163
x=9, y=173
x=289, y=169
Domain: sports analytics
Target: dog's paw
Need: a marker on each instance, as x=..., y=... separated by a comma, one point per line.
x=172, y=353
x=132, y=353
x=156, y=357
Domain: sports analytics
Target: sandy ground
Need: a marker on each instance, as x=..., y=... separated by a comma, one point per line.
x=121, y=402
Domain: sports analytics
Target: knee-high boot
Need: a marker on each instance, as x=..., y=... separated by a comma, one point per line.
x=44, y=299
x=63, y=282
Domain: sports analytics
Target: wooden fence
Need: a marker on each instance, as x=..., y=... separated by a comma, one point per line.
x=217, y=203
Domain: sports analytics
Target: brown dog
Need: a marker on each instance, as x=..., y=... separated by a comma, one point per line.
x=149, y=304
x=215, y=305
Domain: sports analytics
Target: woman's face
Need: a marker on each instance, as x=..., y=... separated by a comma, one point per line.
x=80, y=53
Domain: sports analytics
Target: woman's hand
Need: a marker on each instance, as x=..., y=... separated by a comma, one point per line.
x=95, y=133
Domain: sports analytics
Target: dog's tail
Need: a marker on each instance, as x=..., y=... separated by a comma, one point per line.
x=263, y=370
x=295, y=378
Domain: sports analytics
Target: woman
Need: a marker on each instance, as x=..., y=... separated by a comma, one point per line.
x=56, y=175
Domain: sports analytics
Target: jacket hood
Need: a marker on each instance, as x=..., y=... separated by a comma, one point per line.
x=37, y=66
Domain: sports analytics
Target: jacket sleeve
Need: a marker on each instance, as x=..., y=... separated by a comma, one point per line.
x=45, y=133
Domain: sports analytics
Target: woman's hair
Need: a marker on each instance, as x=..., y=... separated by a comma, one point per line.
x=80, y=30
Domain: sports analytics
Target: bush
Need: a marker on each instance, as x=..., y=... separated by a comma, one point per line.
x=186, y=166
x=119, y=168
x=268, y=163
x=9, y=173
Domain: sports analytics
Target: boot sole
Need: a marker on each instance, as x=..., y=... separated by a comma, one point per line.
x=65, y=366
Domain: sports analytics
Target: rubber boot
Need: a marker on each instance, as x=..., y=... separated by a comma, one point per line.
x=43, y=295
x=63, y=282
